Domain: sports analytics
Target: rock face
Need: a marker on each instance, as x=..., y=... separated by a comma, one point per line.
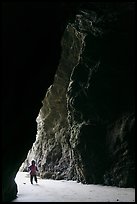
x=85, y=128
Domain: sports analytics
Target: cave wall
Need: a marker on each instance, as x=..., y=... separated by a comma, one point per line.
x=85, y=128
x=52, y=147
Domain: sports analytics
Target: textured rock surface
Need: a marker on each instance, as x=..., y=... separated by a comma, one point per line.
x=52, y=144
x=85, y=128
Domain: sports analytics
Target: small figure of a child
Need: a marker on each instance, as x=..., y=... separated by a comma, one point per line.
x=33, y=171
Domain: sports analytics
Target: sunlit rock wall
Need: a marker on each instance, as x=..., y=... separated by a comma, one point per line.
x=85, y=128
x=52, y=149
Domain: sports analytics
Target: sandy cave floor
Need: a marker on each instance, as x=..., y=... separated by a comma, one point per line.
x=48, y=190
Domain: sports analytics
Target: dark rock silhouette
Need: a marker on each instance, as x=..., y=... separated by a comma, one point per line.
x=31, y=50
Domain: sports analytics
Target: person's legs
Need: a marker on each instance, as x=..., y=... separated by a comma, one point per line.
x=31, y=179
x=35, y=177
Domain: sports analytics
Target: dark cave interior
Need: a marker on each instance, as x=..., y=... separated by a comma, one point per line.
x=31, y=50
